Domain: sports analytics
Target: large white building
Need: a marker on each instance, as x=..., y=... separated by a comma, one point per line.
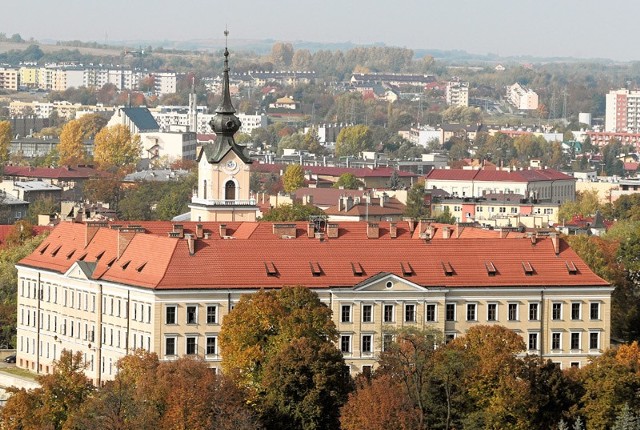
x=457, y=93
x=522, y=98
x=623, y=111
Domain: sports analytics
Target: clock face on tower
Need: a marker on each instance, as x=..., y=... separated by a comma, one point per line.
x=231, y=165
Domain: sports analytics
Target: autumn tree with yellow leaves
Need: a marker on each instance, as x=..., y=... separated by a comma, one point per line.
x=115, y=149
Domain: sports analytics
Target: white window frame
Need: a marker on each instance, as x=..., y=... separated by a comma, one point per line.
x=446, y=312
x=435, y=312
x=559, y=348
x=571, y=335
x=195, y=314
x=579, y=318
x=384, y=313
x=597, y=348
x=370, y=312
x=349, y=313
x=215, y=311
x=350, y=345
x=414, y=311
x=206, y=346
x=537, y=345
x=537, y=305
x=552, y=311
x=175, y=315
x=370, y=351
x=175, y=345
x=517, y=315
x=186, y=344
x=474, y=307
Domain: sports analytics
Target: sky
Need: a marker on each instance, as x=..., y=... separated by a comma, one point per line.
x=541, y=28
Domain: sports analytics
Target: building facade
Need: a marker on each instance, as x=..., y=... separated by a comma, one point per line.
x=107, y=290
x=522, y=98
x=457, y=93
x=622, y=113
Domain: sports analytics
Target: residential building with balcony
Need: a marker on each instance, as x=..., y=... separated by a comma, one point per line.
x=522, y=98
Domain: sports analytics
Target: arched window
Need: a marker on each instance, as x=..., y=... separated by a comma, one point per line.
x=204, y=189
x=230, y=190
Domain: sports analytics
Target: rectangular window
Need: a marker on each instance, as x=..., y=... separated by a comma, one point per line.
x=594, y=311
x=492, y=312
x=451, y=312
x=594, y=340
x=171, y=312
x=513, y=312
x=345, y=343
x=388, y=313
x=387, y=339
x=410, y=313
x=211, y=345
x=471, y=311
x=212, y=314
x=556, y=311
x=367, y=344
x=191, y=345
x=345, y=313
x=367, y=313
x=575, y=311
x=575, y=340
x=192, y=317
x=533, y=341
x=533, y=311
x=431, y=312
x=170, y=346
x=555, y=341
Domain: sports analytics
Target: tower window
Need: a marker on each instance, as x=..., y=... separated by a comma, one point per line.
x=230, y=190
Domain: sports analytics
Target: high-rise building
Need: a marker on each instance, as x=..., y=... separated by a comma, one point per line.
x=457, y=93
x=623, y=111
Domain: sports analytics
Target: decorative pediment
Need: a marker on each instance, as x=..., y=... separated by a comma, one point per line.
x=388, y=282
x=81, y=270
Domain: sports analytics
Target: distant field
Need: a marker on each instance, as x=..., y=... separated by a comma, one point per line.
x=8, y=46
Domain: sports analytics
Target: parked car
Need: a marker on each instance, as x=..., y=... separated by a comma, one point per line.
x=10, y=359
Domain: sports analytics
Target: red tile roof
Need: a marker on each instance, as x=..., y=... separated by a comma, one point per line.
x=379, y=172
x=154, y=260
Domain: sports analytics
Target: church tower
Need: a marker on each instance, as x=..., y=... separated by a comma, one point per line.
x=223, y=168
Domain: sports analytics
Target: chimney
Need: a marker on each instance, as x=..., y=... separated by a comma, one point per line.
x=393, y=230
x=458, y=230
x=284, y=231
x=412, y=225
x=311, y=230
x=179, y=228
x=199, y=231
x=124, y=238
x=446, y=232
x=348, y=203
x=91, y=228
x=332, y=231
x=555, y=240
x=373, y=230
x=384, y=199
x=340, y=204
x=191, y=243
x=223, y=230
x=534, y=238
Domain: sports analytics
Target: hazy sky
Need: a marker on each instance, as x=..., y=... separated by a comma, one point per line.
x=578, y=28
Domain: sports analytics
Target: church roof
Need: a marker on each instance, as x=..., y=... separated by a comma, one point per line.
x=142, y=118
x=253, y=255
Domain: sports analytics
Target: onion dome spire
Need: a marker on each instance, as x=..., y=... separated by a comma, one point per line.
x=225, y=123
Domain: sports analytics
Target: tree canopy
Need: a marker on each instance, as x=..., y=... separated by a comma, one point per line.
x=279, y=345
x=293, y=178
x=71, y=147
x=115, y=149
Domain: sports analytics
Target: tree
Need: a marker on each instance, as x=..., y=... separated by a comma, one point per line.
x=351, y=141
x=379, y=404
x=394, y=181
x=626, y=420
x=348, y=181
x=49, y=406
x=293, y=178
x=44, y=206
x=71, y=146
x=292, y=212
x=282, y=54
x=416, y=207
x=409, y=360
x=5, y=141
x=91, y=124
x=116, y=149
x=585, y=205
x=286, y=333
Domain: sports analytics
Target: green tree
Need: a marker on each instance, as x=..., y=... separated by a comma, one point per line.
x=279, y=345
x=292, y=212
x=351, y=141
x=348, y=181
x=626, y=420
x=293, y=178
x=45, y=206
x=416, y=207
x=282, y=54
x=115, y=149
x=5, y=141
x=71, y=146
x=585, y=205
x=91, y=124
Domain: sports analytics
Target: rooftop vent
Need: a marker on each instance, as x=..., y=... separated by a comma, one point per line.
x=271, y=269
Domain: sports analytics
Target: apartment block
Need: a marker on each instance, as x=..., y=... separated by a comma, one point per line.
x=9, y=79
x=522, y=98
x=457, y=93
